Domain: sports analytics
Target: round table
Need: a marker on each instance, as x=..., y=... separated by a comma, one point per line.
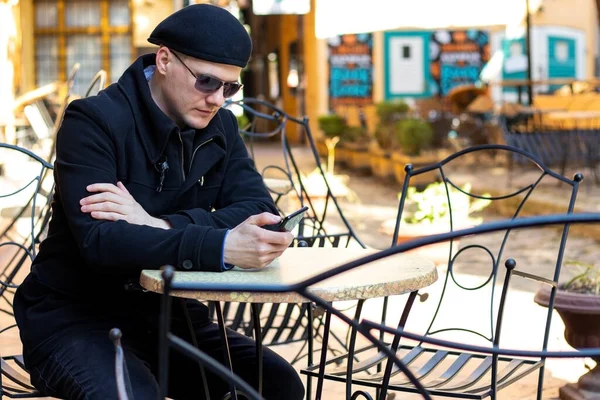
x=393, y=275
x=398, y=274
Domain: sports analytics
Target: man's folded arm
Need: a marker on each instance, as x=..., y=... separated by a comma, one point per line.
x=86, y=155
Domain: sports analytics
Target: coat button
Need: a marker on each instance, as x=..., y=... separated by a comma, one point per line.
x=187, y=264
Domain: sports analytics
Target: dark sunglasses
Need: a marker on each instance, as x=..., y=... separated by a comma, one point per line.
x=208, y=84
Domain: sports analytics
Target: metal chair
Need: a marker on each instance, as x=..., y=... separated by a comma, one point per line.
x=289, y=323
x=422, y=380
x=267, y=122
x=124, y=391
x=97, y=83
x=24, y=214
x=32, y=191
x=552, y=145
x=122, y=376
x=517, y=200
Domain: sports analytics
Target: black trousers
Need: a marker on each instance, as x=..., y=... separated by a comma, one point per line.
x=81, y=366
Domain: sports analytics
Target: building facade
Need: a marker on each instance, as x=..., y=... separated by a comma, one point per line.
x=311, y=63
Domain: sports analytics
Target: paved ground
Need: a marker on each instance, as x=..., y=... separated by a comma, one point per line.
x=370, y=203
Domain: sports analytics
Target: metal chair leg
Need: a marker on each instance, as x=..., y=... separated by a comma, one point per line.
x=259, y=347
x=195, y=343
x=164, y=346
x=226, y=353
x=323, y=356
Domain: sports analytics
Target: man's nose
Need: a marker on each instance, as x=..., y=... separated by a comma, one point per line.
x=217, y=97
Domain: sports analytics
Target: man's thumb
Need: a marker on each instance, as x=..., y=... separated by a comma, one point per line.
x=266, y=218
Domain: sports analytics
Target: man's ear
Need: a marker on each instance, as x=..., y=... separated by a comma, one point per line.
x=162, y=60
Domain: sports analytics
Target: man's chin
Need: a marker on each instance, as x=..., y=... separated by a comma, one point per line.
x=199, y=122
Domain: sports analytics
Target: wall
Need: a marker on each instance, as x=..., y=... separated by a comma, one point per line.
x=146, y=15
x=27, y=67
x=539, y=57
x=570, y=18
x=578, y=14
x=313, y=52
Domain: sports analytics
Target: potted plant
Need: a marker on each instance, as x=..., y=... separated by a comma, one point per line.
x=333, y=126
x=380, y=161
x=578, y=304
x=427, y=212
x=388, y=114
x=413, y=135
x=356, y=144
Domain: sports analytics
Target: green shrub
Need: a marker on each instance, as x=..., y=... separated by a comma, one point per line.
x=353, y=134
x=332, y=125
x=384, y=136
x=391, y=111
x=413, y=135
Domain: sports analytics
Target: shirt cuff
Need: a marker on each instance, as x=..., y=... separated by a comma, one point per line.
x=225, y=267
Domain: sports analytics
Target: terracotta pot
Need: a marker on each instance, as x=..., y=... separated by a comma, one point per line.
x=342, y=155
x=399, y=161
x=381, y=164
x=581, y=316
x=579, y=312
x=354, y=155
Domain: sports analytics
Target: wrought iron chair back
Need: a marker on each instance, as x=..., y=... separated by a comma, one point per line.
x=25, y=205
x=292, y=167
x=32, y=191
x=445, y=204
x=553, y=145
x=420, y=381
x=457, y=197
x=516, y=363
x=282, y=324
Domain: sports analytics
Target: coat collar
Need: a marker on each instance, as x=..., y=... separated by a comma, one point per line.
x=152, y=124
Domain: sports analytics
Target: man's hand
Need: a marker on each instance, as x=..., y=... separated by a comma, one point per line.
x=250, y=246
x=113, y=203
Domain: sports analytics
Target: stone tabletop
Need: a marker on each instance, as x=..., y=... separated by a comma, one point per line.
x=393, y=275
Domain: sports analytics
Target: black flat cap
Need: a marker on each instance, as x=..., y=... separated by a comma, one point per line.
x=205, y=32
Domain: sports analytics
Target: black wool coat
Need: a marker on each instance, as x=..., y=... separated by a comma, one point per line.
x=122, y=135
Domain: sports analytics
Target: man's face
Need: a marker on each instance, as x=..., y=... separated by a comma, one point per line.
x=185, y=101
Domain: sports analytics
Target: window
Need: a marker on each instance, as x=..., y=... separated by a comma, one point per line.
x=516, y=49
x=561, y=51
x=406, y=52
x=94, y=33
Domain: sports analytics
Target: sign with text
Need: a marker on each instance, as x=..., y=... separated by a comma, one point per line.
x=350, y=70
x=457, y=58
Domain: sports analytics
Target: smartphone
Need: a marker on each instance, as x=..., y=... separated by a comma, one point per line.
x=290, y=221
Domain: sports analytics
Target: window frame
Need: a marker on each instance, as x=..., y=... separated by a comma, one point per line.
x=62, y=32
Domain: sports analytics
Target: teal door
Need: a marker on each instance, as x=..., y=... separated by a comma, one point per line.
x=561, y=59
x=515, y=61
